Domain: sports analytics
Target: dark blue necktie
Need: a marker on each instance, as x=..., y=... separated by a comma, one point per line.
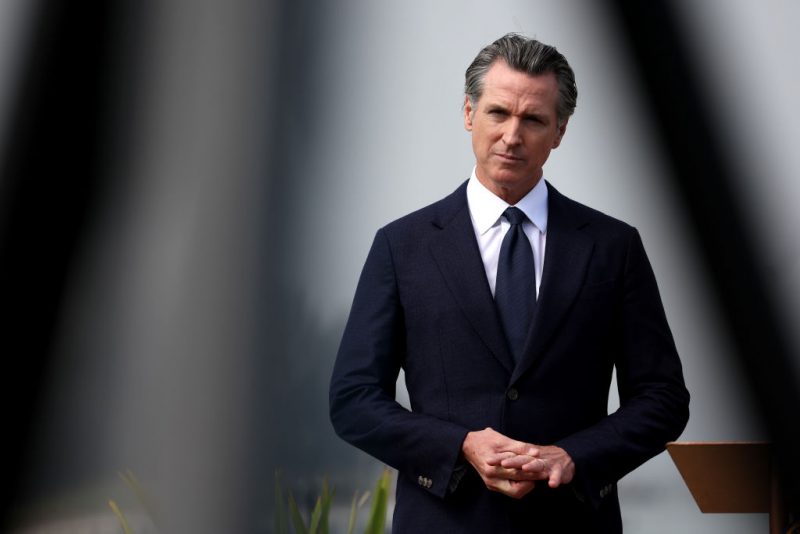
x=515, y=290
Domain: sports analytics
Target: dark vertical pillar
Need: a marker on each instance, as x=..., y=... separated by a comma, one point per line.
x=704, y=176
x=51, y=173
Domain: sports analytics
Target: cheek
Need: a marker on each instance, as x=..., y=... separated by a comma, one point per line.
x=481, y=143
x=476, y=145
x=490, y=137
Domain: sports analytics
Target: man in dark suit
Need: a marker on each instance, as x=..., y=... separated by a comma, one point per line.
x=508, y=306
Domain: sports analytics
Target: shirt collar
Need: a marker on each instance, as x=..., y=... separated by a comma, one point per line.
x=486, y=208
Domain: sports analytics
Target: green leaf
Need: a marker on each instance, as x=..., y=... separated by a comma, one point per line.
x=316, y=513
x=120, y=517
x=351, y=524
x=281, y=524
x=377, y=516
x=297, y=519
x=327, y=500
x=144, y=498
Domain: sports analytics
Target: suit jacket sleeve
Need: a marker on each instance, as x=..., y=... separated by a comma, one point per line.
x=654, y=403
x=363, y=409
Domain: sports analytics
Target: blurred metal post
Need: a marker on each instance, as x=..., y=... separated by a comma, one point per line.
x=704, y=177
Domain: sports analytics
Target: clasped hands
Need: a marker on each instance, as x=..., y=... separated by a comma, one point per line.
x=512, y=467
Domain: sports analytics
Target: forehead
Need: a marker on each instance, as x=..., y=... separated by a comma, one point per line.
x=507, y=86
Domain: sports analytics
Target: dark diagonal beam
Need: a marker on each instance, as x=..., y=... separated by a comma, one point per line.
x=702, y=172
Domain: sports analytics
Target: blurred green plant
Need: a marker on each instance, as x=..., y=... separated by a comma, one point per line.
x=355, y=506
x=142, y=496
x=287, y=510
x=123, y=522
x=377, y=516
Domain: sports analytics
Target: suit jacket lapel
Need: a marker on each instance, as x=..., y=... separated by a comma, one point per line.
x=456, y=253
x=566, y=258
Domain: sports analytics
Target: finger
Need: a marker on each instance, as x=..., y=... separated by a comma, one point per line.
x=537, y=465
x=511, y=488
x=520, y=489
x=516, y=461
x=502, y=473
x=500, y=485
x=520, y=476
x=498, y=458
x=555, y=476
x=517, y=447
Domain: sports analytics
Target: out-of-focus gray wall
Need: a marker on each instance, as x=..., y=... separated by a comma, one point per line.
x=201, y=327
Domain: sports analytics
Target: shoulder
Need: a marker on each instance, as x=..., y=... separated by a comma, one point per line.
x=564, y=210
x=429, y=218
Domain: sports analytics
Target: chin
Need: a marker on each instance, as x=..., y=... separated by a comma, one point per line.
x=508, y=179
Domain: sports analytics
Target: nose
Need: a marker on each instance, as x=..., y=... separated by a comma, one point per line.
x=511, y=132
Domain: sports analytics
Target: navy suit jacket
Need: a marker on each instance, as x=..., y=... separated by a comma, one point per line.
x=423, y=304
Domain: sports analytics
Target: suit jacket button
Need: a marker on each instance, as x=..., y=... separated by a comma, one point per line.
x=512, y=394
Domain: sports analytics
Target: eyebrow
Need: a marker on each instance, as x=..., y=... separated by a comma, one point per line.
x=542, y=117
x=496, y=107
x=536, y=116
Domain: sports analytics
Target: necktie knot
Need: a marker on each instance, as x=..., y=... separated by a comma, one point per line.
x=514, y=215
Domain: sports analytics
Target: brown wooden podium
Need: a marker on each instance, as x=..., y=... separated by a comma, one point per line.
x=731, y=477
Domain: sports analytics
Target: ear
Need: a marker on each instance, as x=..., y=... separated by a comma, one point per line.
x=560, y=135
x=468, y=112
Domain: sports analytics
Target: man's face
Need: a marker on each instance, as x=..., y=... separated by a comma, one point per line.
x=513, y=127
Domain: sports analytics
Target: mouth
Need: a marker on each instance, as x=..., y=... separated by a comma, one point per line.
x=511, y=158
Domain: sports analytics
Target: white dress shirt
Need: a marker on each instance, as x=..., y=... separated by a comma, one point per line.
x=486, y=210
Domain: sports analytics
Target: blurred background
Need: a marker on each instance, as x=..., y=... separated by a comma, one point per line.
x=189, y=190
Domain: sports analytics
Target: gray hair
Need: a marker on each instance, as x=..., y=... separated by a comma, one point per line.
x=529, y=56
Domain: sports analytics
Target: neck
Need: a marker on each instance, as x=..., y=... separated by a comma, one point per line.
x=509, y=193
